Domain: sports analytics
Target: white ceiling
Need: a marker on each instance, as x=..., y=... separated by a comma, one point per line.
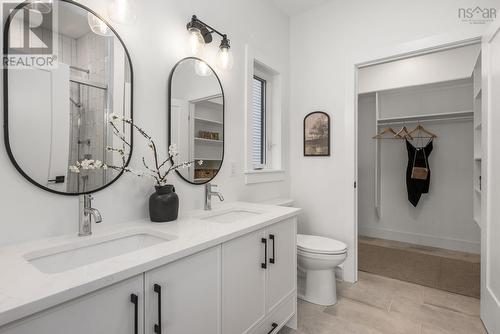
x=293, y=7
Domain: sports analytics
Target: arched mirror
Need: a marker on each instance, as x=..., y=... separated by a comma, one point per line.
x=196, y=119
x=62, y=88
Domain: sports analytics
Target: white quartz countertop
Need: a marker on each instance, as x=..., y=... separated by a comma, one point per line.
x=25, y=290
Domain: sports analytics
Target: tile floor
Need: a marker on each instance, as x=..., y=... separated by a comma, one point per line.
x=380, y=305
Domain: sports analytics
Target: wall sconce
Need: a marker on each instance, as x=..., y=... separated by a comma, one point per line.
x=200, y=34
x=98, y=26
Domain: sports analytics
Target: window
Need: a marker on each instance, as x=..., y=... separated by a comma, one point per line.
x=263, y=119
x=258, y=122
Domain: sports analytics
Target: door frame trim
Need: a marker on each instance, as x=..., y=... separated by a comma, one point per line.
x=354, y=63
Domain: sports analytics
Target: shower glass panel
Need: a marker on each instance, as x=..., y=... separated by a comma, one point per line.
x=89, y=133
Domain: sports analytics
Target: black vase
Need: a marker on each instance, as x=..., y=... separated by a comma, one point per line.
x=163, y=204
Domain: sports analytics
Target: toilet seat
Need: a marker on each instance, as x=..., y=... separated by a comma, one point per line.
x=320, y=245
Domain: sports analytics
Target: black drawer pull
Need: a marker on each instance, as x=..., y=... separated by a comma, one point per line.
x=264, y=264
x=134, y=299
x=272, y=259
x=157, y=289
x=274, y=325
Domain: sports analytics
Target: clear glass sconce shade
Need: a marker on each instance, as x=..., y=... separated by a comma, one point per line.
x=42, y=6
x=98, y=26
x=202, y=69
x=196, y=42
x=225, y=60
x=122, y=11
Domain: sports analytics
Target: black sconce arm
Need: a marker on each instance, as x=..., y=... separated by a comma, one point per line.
x=211, y=29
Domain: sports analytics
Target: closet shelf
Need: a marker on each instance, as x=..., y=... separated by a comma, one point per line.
x=211, y=141
x=207, y=120
x=428, y=117
x=202, y=179
x=207, y=159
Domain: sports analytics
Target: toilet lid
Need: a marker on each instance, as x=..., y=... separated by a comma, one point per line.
x=320, y=245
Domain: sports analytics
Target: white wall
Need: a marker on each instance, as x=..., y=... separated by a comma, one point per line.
x=156, y=42
x=322, y=42
x=429, y=68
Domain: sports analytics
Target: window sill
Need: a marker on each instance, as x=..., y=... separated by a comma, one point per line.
x=264, y=175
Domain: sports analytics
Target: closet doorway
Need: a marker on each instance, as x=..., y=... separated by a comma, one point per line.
x=419, y=169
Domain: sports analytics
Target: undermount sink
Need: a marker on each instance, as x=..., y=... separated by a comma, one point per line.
x=85, y=252
x=230, y=216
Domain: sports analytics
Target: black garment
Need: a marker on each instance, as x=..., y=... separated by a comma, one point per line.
x=417, y=187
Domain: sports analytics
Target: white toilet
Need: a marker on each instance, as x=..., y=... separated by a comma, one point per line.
x=317, y=257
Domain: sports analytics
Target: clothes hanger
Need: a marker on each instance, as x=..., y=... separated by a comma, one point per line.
x=421, y=129
x=404, y=133
x=381, y=134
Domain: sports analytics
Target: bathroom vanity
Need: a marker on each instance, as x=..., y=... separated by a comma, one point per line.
x=227, y=271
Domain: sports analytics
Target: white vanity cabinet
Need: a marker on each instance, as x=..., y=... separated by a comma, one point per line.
x=185, y=295
x=282, y=266
x=243, y=293
x=259, y=280
x=246, y=285
x=106, y=311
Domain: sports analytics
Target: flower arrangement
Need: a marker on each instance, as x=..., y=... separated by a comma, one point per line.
x=159, y=170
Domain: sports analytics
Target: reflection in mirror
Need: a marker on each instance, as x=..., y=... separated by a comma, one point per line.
x=58, y=115
x=196, y=118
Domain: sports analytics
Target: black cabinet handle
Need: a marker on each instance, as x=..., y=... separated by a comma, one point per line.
x=264, y=264
x=272, y=259
x=274, y=325
x=157, y=289
x=134, y=299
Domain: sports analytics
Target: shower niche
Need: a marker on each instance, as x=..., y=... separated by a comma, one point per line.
x=59, y=116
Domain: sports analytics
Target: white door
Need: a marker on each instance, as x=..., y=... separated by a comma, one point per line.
x=48, y=126
x=490, y=233
x=188, y=292
x=27, y=127
x=107, y=311
x=282, y=272
x=244, y=277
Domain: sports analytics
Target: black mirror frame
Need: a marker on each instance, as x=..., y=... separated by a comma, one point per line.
x=6, y=100
x=170, y=115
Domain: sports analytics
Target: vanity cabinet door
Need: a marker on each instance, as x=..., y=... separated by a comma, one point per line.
x=282, y=268
x=184, y=297
x=244, y=279
x=107, y=311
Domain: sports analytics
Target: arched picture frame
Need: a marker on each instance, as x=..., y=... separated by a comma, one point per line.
x=317, y=134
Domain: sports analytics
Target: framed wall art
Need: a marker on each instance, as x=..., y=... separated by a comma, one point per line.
x=317, y=134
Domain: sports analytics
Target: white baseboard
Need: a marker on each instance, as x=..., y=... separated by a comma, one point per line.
x=422, y=239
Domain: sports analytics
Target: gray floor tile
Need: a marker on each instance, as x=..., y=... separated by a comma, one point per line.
x=380, y=305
